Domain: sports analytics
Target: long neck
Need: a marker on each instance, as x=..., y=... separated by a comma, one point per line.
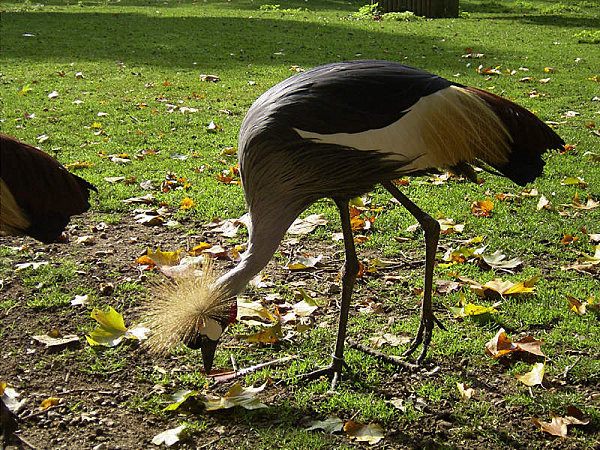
x=266, y=230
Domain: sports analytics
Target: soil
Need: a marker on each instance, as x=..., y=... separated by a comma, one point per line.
x=99, y=409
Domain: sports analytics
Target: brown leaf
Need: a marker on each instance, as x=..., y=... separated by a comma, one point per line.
x=568, y=239
x=498, y=287
x=558, y=425
x=581, y=307
x=446, y=286
x=500, y=345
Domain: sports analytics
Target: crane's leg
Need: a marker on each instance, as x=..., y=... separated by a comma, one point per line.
x=351, y=268
x=431, y=228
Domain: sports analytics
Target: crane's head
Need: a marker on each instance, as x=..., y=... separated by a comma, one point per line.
x=192, y=311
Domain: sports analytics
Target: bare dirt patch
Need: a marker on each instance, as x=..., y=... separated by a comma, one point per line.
x=106, y=399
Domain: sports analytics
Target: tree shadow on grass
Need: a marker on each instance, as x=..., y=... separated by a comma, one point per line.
x=210, y=43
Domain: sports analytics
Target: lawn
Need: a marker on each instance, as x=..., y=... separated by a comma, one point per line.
x=147, y=97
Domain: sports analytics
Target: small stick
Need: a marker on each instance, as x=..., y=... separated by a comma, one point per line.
x=28, y=444
x=233, y=363
x=251, y=369
x=387, y=358
x=569, y=368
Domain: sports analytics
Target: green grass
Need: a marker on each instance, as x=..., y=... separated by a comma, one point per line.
x=138, y=57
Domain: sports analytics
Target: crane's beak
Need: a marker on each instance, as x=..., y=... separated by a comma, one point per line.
x=208, y=348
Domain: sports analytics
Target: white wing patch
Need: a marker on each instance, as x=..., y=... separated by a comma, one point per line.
x=440, y=130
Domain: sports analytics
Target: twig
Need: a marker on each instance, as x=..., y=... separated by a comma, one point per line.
x=387, y=358
x=569, y=368
x=24, y=441
x=251, y=369
x=233, y=363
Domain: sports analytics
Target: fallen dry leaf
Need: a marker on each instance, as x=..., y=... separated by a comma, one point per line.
x=534, y=376
x=447, y=226
x=576, y=203
x=147, y=199
x=586, y=262
x=302, y=262
x=446, y=286
x=393, y=340
x=307, y=225
x=187, y=203
x=466, y=393
x=498, y=287
x=266, y=335
x=498, y=261
x=582, y=307
x=466, y=309
x=111, y=329
x=216, y=251
x=50, y=402
x=161, y=258
x=236, y=396
x=253, y=313
x=558, y=425
x=500, y=345
x=372, y=433
x=568, y=239
x=330, y=425
x=54, y=340
x=169, y=437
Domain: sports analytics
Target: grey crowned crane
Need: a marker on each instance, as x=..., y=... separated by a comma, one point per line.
x=337, y=131
x=38, y=195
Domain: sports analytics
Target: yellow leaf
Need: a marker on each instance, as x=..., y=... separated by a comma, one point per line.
x=266, y=335
x=576, y=306
x=111, y=330
x=581, y=307
x=198, y=249
x=164, y=258
x=187, y=203
x=145, y=260
x=533, y=377
x=25, y=89
x=247, y=310
x=49, y=402
x=78, y=165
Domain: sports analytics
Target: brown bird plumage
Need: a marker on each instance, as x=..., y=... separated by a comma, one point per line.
x=37, y=194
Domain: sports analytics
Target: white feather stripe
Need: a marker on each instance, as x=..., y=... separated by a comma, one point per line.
x=442, y=129
x=12, y=218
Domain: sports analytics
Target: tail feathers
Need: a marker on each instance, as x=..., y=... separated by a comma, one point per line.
x=530, y=138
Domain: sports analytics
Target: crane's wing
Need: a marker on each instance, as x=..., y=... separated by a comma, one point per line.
x=411, y=116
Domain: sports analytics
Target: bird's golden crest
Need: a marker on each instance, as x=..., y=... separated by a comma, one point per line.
x=178, y=310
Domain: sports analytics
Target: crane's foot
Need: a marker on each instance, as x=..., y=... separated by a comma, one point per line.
x=423, y=337
x=332, y=372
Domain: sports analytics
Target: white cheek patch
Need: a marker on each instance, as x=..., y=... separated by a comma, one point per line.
x=211, y=329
